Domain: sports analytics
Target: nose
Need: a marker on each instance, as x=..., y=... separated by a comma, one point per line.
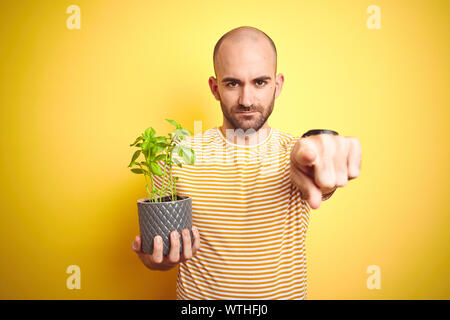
x=246, y=97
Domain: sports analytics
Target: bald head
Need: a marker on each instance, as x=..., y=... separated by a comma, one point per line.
x=242, y=36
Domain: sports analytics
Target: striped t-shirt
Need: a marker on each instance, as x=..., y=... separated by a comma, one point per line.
x=251, y=219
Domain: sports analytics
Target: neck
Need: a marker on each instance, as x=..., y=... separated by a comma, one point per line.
x=240, y=137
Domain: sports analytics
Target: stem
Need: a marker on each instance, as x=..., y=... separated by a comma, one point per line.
x=146, y=187
x=172, y=184
x=146, y=184
x=155, y=199
x=165, y=177
x=174, y=188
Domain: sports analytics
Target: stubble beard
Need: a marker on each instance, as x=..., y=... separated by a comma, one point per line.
x=244, y=122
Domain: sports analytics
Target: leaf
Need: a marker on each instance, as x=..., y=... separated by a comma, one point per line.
x=185, y=132
x=163, y=145
x=149, y=132
x=138, y=171
x=135, y=155
x=160, y=139
x=179, y=133
x=155, y=169
x=154, y=150
x=188, y=156
x=158, y=149
x=145, y=152
x=160, y=157
x=178, y=163
x=133, y=163
x=144, y=163
x=145, y=145
x=180, y=152
x=173, y=122
x=136, y=141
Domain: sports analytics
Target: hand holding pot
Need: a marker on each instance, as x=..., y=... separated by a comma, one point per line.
x=156, y=260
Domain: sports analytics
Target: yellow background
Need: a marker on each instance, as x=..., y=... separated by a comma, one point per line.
x=71, y=102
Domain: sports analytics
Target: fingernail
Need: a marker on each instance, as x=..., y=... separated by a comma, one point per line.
x=158, y=239
x=134, y=245
x=175, y=235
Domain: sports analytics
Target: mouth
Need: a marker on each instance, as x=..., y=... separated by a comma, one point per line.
x=247, y=112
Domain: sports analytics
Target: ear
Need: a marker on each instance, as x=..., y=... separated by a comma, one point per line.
x=214, y=88
x=279, y=80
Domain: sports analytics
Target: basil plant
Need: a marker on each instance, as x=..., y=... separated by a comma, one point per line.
x=154, y=149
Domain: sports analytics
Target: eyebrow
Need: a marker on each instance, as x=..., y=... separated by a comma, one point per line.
x=231, y=79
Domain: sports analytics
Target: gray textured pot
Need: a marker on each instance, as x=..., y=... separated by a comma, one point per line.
x=161, y=218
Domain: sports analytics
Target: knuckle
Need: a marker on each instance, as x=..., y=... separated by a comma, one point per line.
x=344, y=144
x=327, y=139
x=353, y=173
x=174, y=259
x=197, y=234
x=186, y=235
x=187, y=247
x=327, y=185
x=174, y=256
x=342, y=181
x=342, y=140
x=157, y=259
x=355, y=143
x=326, y=182
x=196, y=247
x=174, y=239
x=188, y=254
x=156, y=243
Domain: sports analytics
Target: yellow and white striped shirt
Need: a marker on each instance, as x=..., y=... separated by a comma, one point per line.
x=251, y=219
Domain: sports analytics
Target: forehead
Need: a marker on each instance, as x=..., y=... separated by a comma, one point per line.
x=245, y=57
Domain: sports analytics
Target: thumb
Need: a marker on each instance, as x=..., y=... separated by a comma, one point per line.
x=137, y=245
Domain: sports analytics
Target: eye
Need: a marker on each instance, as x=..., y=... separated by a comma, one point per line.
x=233, y=82
x=260, y=81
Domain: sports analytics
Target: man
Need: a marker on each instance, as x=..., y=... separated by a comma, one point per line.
x=252, y=186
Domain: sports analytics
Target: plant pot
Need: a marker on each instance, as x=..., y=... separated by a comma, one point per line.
x=161, y=218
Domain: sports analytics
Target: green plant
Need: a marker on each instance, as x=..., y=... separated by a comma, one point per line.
x=156, y=149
